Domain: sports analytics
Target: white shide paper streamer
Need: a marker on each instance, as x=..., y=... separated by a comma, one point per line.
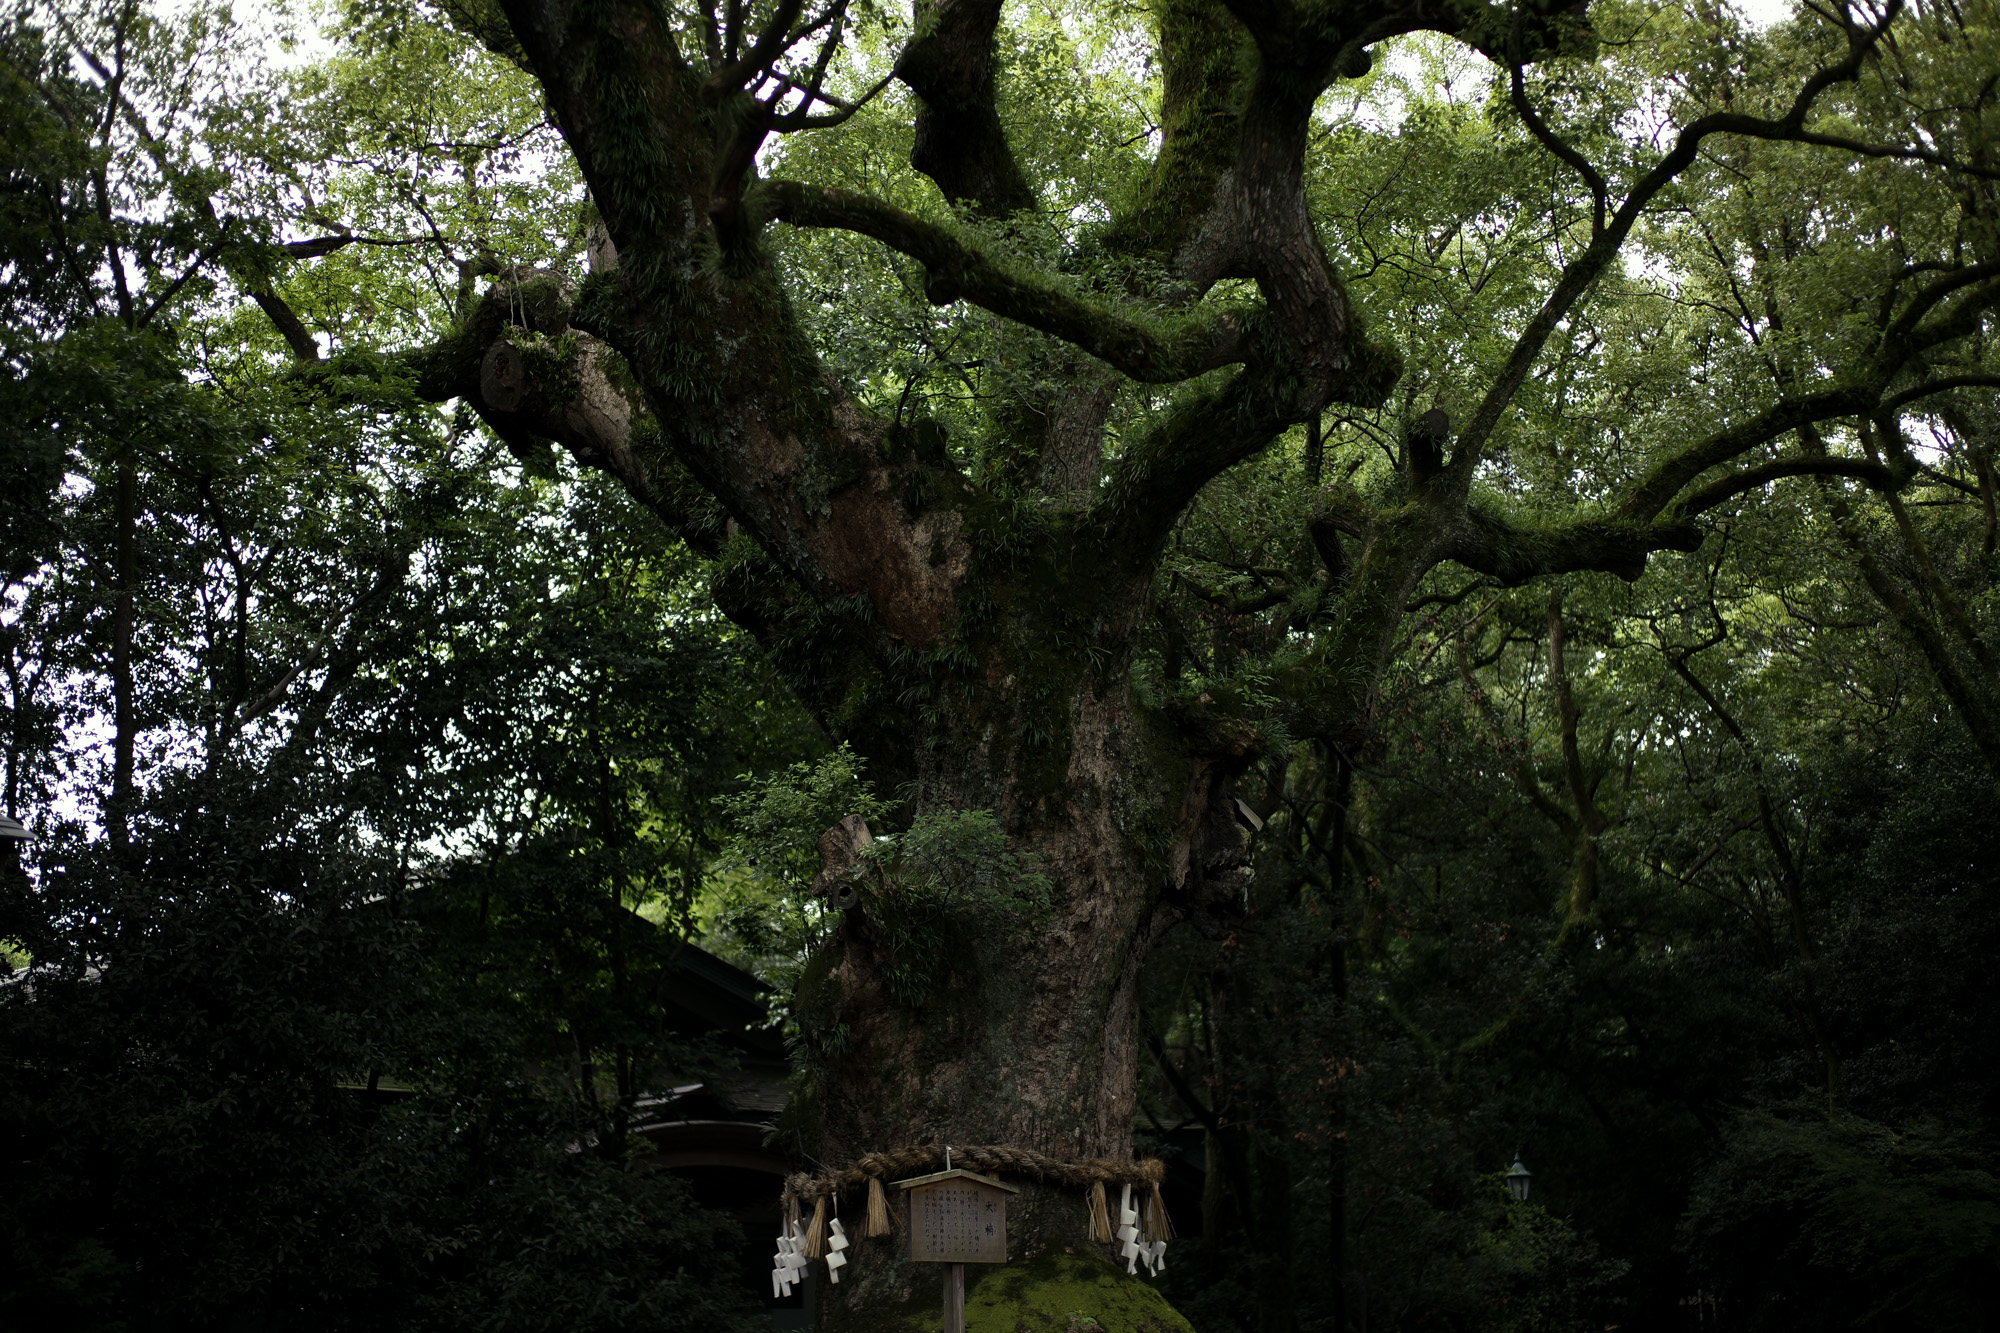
x=835, y=1243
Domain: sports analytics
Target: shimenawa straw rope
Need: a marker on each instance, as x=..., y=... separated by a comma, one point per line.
x=872, y=1169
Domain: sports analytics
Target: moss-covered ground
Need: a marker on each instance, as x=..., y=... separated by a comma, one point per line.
x=1060, y=1292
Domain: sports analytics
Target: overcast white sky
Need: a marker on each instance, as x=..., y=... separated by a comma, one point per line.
x=1764, y=13
x=1761, y=13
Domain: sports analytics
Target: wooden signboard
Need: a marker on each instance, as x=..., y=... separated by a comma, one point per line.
x=957, y=1217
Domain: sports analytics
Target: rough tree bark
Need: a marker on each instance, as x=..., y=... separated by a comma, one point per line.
x=971, y=645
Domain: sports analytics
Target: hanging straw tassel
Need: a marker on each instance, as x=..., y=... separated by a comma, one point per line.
x=878, y=1209
x=816, y=1233
x=1158, y=1226
x=1100, y=1215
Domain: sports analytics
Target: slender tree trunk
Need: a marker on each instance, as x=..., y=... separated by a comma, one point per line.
x=1791, y=884
x=1590, y=821
x=125, y=569
x=20, y=697
x=1942, y=593
x=1965, y=697
x=1275, y=1264
x=1990, y=526
x=1342, y=913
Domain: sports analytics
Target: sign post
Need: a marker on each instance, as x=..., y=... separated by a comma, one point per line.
x=957, y=1217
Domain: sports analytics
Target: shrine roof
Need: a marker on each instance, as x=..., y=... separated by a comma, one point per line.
x=956, y=1173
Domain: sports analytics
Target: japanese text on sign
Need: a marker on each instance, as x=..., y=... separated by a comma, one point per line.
x=958, y=1222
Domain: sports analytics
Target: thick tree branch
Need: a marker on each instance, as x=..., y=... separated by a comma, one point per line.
x=1267, y=596
x=1326, y=541
x=1593, y=179
x=1515, y=552
x=580, y=405
x=1152, y=350
x=772, y=43
x=843, y=110
x=1897, y=401
x=1909, y=334
x=1203, y=72
x=1673, y=475
x=959, y=141
x=1164, y=470
x=297, y=336
x=1895, y=152
x=1874, y=475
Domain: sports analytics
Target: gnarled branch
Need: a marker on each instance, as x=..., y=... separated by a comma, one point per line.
x=1673, y=475
x=1152, y=350
x=1874, y=475
x=1515, y=552
x=960, y=142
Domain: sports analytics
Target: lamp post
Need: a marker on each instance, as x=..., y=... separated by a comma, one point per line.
x=1517, y=1178
x=14, y=835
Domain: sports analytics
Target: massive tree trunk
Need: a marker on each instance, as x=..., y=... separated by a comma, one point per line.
x=974, y=640
x=1025, y=1040
x=1030, y=1042
x=880, y=574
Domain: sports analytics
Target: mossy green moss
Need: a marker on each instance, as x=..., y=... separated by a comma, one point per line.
x=1057, y=1292
x=1043, y=1294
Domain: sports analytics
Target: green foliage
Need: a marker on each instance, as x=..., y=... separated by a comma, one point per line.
x=949, y=882
x=778, y=820
x=558, y=1243
x=948, y=890
x=194, y=1132
x=1540, y=1272
x=348, y=1031
x=1849, y=1223
x=436, y=752
x=761, y=909
x=958, y=860
x=1659, y=1069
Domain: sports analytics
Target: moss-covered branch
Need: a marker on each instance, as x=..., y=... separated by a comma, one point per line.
x=1206, y=62
x=1670, y=477
x=1874, y=475
x=1515, y=551
x=1150, y=349
x=959, y=140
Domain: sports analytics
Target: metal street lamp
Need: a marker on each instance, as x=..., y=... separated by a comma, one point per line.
x=1517, y=1178
x=14, y=830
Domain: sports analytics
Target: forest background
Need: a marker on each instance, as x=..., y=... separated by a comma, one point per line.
x=360, y=742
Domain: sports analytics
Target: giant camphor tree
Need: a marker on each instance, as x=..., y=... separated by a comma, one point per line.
x=1146, y=256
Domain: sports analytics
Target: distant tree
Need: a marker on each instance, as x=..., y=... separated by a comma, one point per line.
x=350, y=764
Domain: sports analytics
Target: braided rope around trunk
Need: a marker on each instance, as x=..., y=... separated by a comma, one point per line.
x=1017, y=1161
x=1091, y=1174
